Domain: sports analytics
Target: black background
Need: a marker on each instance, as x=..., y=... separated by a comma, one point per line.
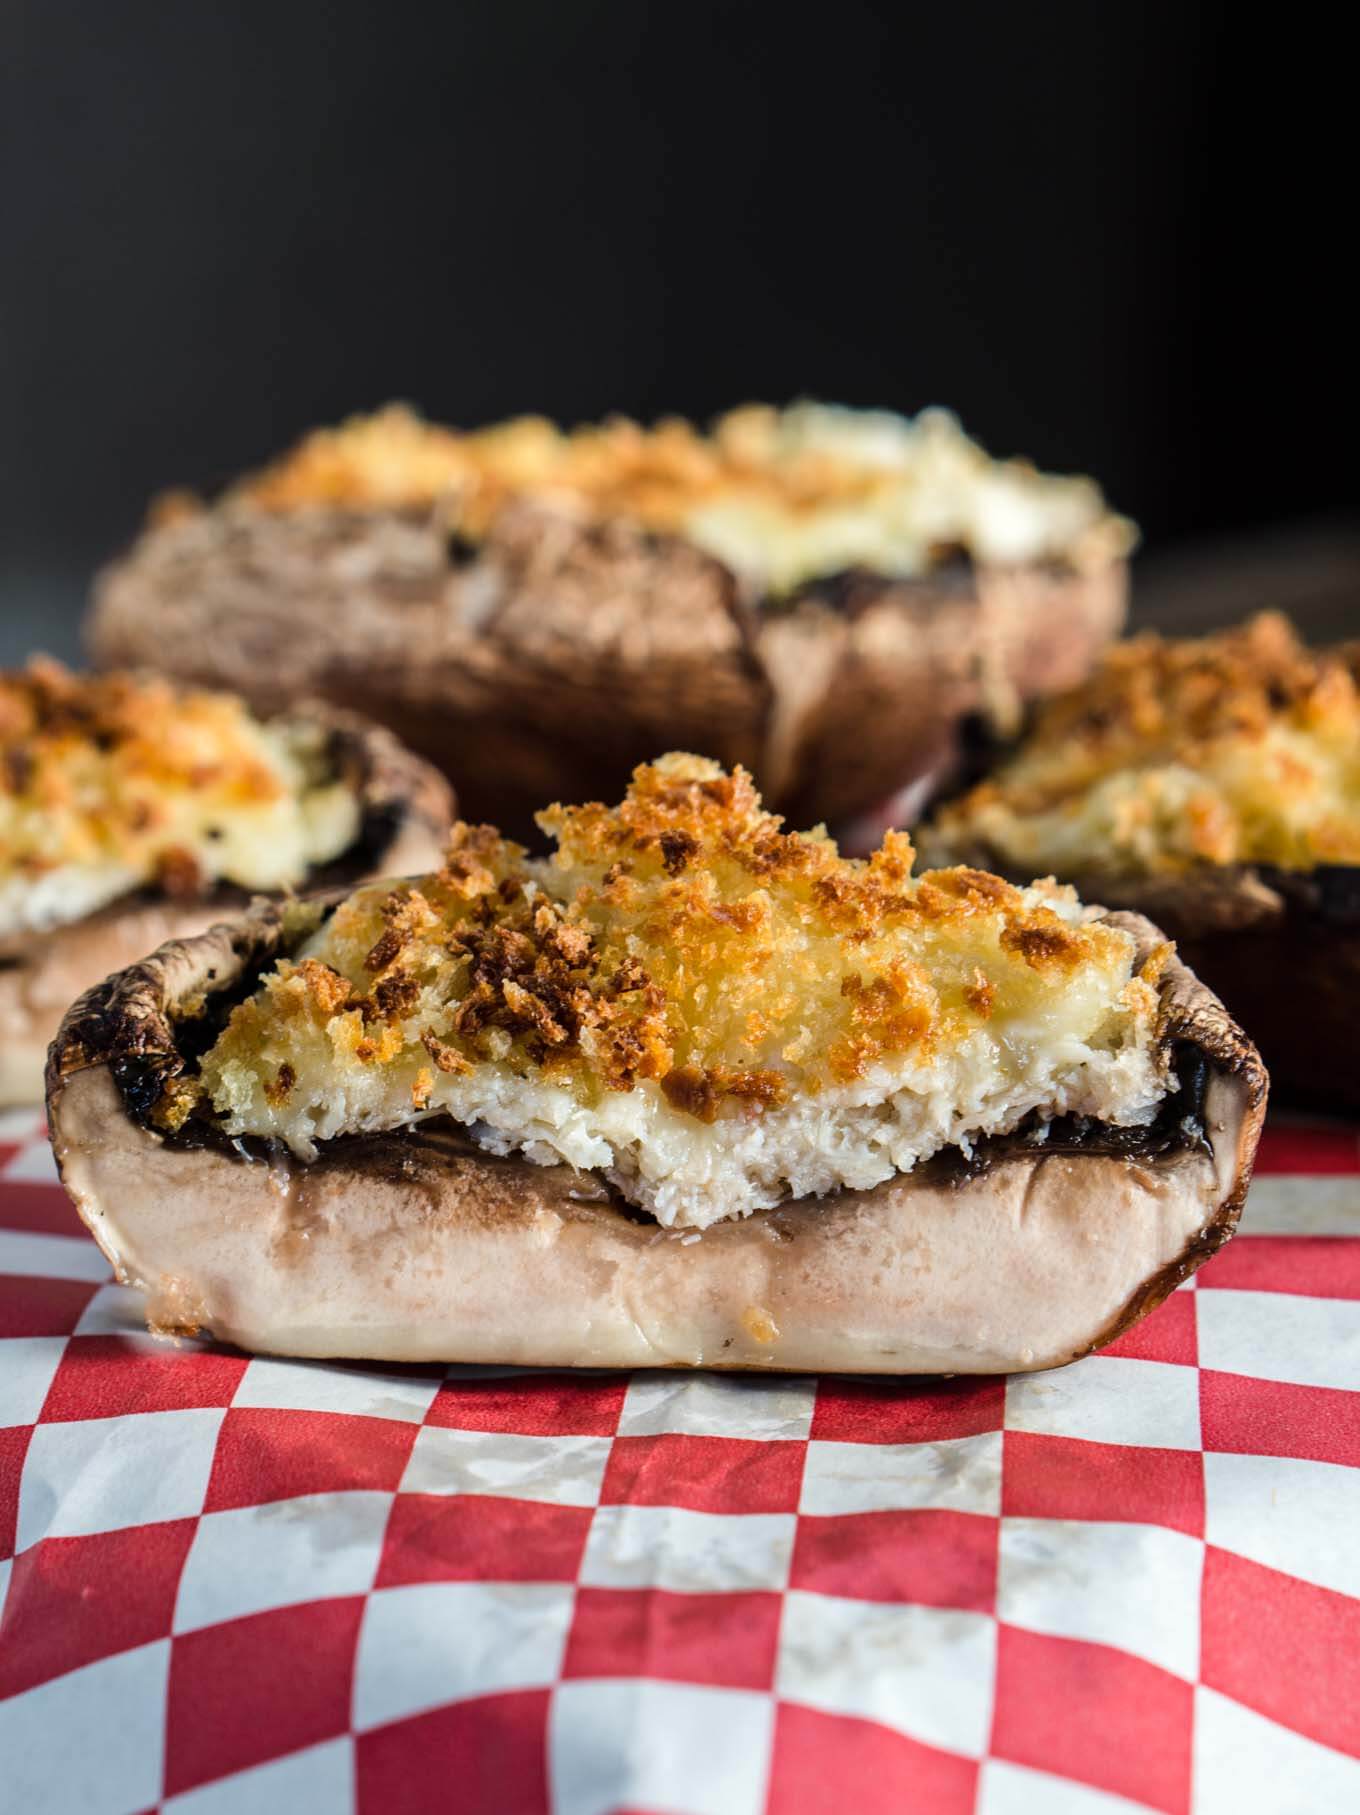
x=1110, y=235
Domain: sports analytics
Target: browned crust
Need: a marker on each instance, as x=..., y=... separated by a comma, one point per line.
x=126, y=1024
x=549, y=660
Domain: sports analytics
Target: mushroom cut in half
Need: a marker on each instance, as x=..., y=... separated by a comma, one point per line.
x=133, y=811
x=693, y=1092
x=821, y=594
x=1214, y=784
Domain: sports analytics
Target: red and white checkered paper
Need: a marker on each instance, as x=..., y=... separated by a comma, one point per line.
x=234, y=1585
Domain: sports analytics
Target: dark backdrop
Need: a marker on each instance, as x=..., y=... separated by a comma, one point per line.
x=1105, y=231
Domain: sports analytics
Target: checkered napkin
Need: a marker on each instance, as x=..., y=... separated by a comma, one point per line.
x=233, y=1585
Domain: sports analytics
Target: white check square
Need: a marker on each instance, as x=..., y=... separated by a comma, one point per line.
x=962, y=1474
x=20, y=1125
x=322, y=1386
x=1080, y=1580
x=103, y=1474
x=1244, y=1762
x=118, y=1311
x=252, y=1558
x=1298, y=1517
x=430, y=1643
x=1310, y=1204
x=1281, y=1336
x=718, y=1405
x=34, y=1163
x=27, y=1367
x=1006, y=1789
x=687, y=1552
x=565, y=1471
x=1110, y=1399
x=51, y=1256
x=925, y=1671
x=91, y=1740
x=665, y=1746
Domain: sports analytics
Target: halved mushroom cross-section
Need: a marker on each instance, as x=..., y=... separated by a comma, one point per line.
x=339, y=1127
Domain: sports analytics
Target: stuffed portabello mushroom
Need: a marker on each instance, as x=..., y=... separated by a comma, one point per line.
x=1214, y=784
x=133, y=811
x=820, y=594
x=693, y=1091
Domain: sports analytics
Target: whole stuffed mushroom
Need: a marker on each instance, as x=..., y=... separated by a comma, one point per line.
x=818, y=593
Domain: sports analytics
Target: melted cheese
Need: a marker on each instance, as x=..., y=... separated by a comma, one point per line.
x=112, y=783
x=781, y=496
x=713, y=1013
x=1233, y=749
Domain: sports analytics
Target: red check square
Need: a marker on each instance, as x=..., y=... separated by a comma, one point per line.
x=705, y=1474
x=481, y=1538
x=925, y=1555
x=833, y=1761
x=727, y=1641
x=886, y=1411
x=73, y=1600
x=1313, y=1266
x=1095, y=1714
x=255, y=1688
x=1046, y=1477
x=1251, y=1417
x=1310, y=1150
x=491, y=1753
x=39, y=1209
x=532, y=1405
x=13, y=1448
x=108, y=1376
x=1167, y=1334
x=1286, y=1648
x=265, y=1454
x=31, y=1306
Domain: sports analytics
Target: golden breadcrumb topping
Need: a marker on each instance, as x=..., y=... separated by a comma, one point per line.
x=1242, y=747
x=781, y=495
x=115, y=782
x=683, y=952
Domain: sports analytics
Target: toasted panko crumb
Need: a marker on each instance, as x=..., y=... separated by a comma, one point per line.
x=684, y=964
x=1238, y=748
x=762, y=961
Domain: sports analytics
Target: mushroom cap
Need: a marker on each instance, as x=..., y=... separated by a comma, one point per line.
x=417, y=1247
x=550, y=658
